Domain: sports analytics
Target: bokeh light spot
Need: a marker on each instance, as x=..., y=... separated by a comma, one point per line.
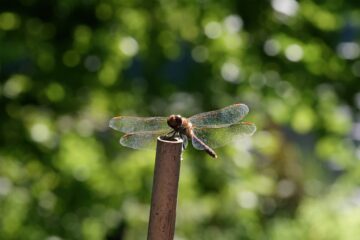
x=265, y=141
x=85, y=127
x=294, y=53
x=107, y=75
x=103, y=11
x=71, y=58
x=287, y=7
x=247, y=199
x=34, y=26
x=271, y=47
x=129, y=46
x=200, y=54
x=326, y=20
x=233, y=24
x=348, y=50
x=53, y=238
x=356, y=131
x=5, y=186
x=355, y=68
x=46, y=61
x=230, y=72
x=55, y=92
x=15, y=85
x=92, y=63
x=339, y=119
x=257, y=80
x=40, y=132
x=213, y=30
x=82, y=35
x=47, y=200
x=9, y=21
x=286, y=188
x=357, y=100
x=303, y=119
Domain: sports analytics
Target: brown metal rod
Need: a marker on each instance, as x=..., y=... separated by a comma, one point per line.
x=165, y=189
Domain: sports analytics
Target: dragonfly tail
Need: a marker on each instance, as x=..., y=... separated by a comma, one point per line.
x=207, y=149
x=210, y=152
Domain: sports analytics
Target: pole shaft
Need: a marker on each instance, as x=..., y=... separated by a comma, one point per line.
x=165, y=189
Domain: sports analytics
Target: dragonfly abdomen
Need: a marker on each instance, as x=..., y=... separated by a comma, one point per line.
x=206, y=148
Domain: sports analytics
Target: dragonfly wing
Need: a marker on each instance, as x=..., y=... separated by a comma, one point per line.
x=218, y=137
x=225, y=116
x=141, y=140
x=127, y=124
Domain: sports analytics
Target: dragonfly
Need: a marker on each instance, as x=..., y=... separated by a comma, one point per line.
x=207, y=131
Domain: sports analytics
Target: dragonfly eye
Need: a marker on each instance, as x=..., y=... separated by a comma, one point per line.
x=174, y=121
x=178, y=119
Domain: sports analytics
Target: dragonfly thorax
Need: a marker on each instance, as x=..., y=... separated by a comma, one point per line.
x=180, y=125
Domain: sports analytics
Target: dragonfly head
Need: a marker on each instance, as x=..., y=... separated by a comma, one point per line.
x=175, y=122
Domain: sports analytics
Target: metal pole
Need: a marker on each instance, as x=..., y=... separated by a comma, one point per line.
x=165, y=189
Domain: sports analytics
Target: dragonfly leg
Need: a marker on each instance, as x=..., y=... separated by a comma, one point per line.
x=170, y=135
x=185, y=141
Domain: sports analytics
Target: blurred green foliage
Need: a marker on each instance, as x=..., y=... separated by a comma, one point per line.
x=67, y=67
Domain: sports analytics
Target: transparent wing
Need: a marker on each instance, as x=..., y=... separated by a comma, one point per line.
x=127, y=124
x=218, y=137
x=225, y=116
x=141, y=140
